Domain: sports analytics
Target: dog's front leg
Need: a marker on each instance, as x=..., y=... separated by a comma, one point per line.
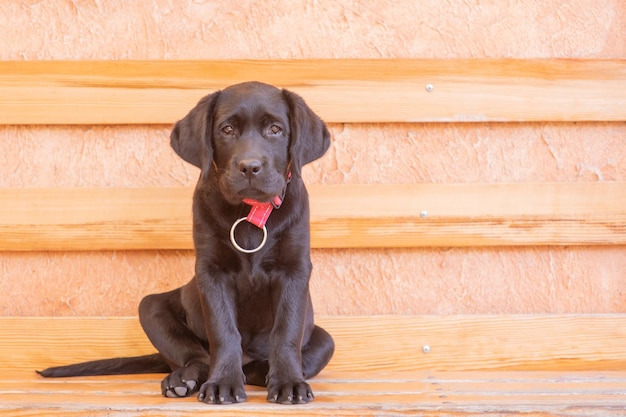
x=285, y=381
x=225, y=384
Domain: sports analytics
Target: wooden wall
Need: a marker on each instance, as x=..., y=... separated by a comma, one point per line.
x=455, y=280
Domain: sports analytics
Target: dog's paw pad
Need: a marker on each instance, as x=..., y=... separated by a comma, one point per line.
x=182, y=391
x=183, y=382
x=191, y=385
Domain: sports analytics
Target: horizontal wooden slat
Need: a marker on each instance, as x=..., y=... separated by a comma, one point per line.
x=495, y=394
x=364, y=344
x=473, y=367
x=446, y=215
x=340, y=90
x=400, y=215
x=428, y=394
x=95, y=218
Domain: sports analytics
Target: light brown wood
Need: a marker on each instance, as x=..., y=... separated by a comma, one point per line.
x=534, y=394
x=356, y=90
x=363, y=343
x=346, y=216
x=95, y=218
x=573, y=365
x=447, y=215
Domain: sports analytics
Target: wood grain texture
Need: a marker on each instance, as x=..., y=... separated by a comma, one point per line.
x=426, y=393
x=353, y=216
x=474, y=367
x=340, y=90
x=363, y=343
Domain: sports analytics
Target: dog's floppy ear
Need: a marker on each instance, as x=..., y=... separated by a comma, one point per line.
x=191, y=136
x=310, y=138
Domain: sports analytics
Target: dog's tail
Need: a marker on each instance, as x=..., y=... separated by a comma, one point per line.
x=148, y=364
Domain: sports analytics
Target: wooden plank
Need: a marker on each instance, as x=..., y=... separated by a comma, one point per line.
x=364, y=344
x=424, y=393
x=534, y=342
x=345, y=216
x=448, y=215
x=334, y=382
x=379, y=368
x=340, y=90
x=95, y=218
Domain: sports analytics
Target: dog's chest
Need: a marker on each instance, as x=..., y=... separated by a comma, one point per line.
x=255, y=305
x=254, y=289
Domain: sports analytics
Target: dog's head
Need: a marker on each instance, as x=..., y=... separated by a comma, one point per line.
x=252, y=134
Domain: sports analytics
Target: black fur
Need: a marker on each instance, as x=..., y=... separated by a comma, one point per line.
x=242, y=317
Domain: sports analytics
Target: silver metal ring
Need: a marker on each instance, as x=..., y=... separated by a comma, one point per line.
x=236, y=245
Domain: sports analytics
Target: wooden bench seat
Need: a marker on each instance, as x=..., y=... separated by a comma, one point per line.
x=569, y=365
x=425, y=393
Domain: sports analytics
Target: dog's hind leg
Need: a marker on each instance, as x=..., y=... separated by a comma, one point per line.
x=165, y=322
x=317, y=352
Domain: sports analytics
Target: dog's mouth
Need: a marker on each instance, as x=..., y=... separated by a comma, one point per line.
x=256, y=194
x=236, y=193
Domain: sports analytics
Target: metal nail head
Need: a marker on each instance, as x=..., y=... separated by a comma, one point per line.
x=430, y=87
x=426, y=348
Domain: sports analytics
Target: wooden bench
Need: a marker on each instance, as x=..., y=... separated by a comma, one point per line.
x=535, y=365
x=429, y=366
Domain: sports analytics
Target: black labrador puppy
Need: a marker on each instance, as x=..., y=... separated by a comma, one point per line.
x=246, y=316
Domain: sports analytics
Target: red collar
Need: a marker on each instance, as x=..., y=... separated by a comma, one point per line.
x=260, y=212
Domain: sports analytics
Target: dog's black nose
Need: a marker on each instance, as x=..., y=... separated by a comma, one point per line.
x=250, y=167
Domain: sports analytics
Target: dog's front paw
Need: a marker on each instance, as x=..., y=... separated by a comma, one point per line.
x=183, y=381
x=298, y=392
x=225, y=391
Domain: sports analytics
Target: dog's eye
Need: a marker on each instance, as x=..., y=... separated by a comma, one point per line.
x=275, y=129
x=228, y=130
